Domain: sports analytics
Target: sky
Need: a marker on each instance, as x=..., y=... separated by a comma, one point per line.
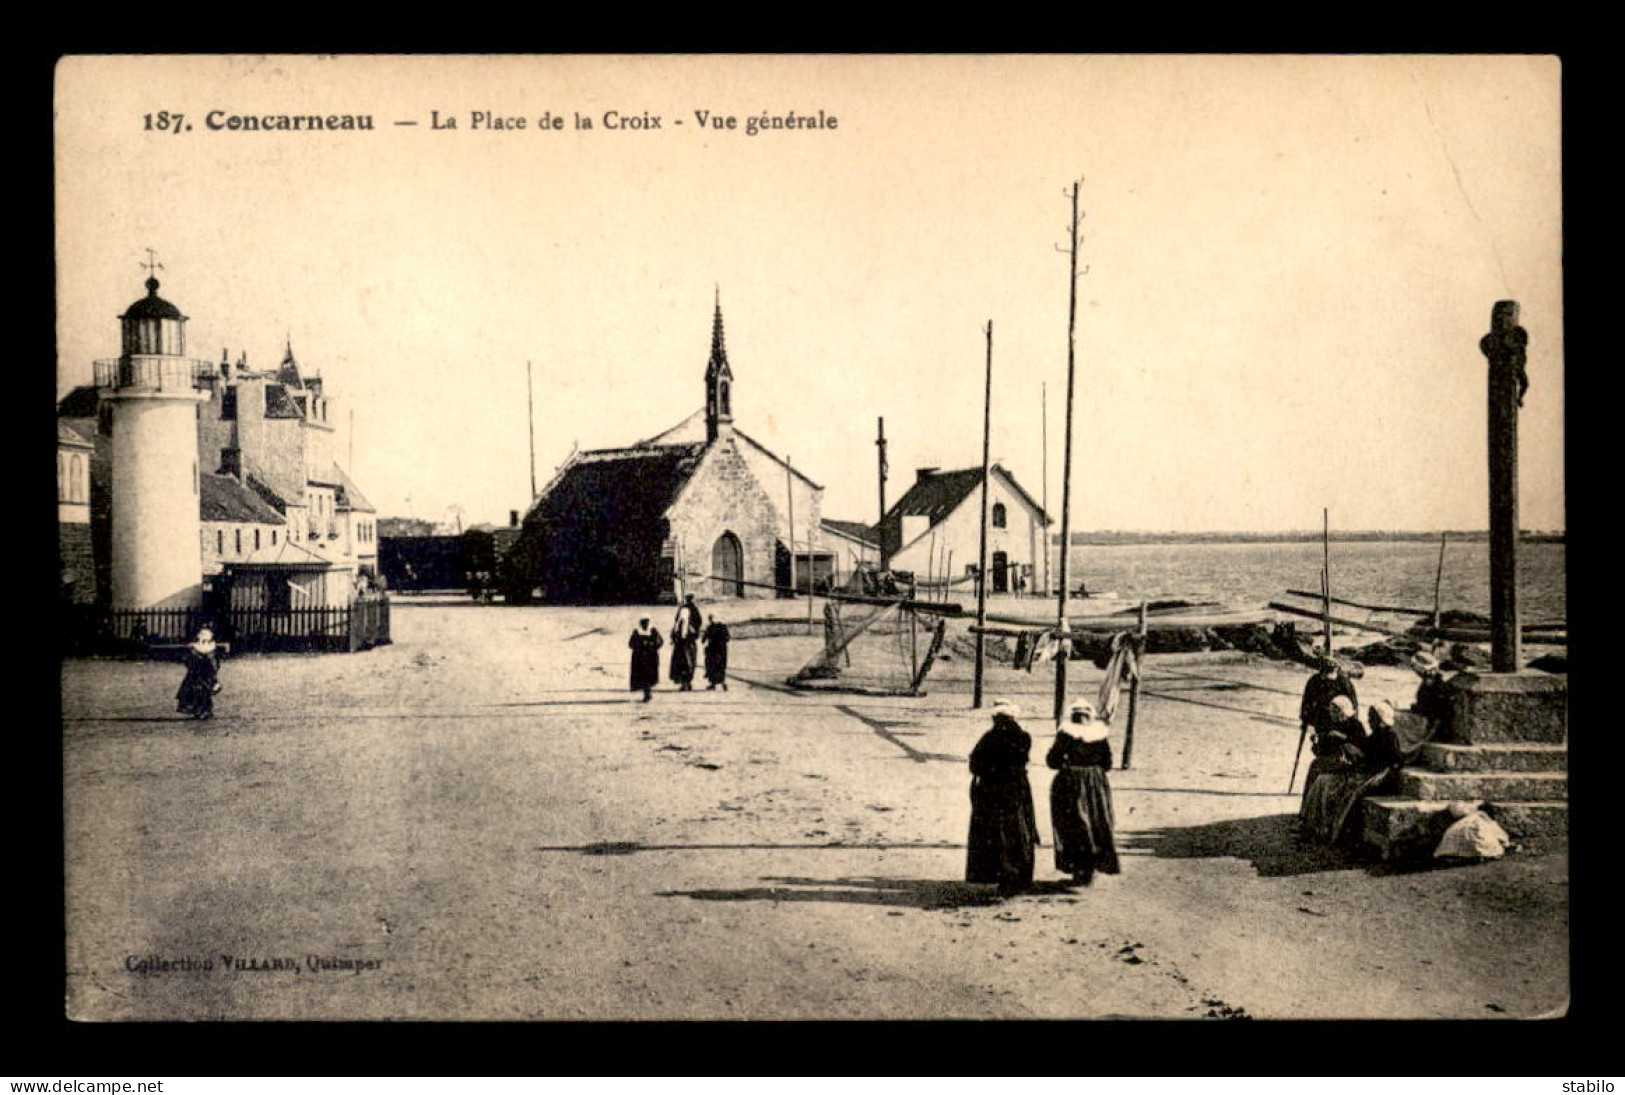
x=1286, y=266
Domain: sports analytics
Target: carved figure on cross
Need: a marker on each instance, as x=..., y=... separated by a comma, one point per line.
x=1507, y=342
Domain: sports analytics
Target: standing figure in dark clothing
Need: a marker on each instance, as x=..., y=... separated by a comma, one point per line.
x=685, y=643
x=1329, y=681
x=1080, y=798
x=1003, y=824
x=716, y=654
x=645, y=643
x=196, y=696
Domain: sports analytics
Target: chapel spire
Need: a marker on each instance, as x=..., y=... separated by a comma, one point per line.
x=718, y=379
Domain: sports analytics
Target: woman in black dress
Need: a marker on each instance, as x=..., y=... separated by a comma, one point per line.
x=196, y=696
x=1080, y=798
x=1003, y=824
x=645, y=644
x=716, y=654
x=1335, y=775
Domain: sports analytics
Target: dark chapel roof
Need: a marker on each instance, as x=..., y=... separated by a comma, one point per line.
x=622, y=488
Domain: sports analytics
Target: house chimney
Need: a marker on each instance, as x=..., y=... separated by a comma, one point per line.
x=513, y=518
x=922, y=474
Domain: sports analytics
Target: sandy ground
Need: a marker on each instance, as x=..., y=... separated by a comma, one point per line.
x=482, y=819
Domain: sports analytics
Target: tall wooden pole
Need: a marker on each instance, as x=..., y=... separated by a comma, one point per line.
x=790, y=495
x=1134, y=690
x=1438, y=580
x=1066, y=469
x=1504, y=346
x=880, y=443
x=1044, y=433
x=530, y=407
x=1326, y=576
x=810, y=582
x=981, y=552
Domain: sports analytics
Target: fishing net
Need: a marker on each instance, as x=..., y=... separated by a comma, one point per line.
x=876, y=649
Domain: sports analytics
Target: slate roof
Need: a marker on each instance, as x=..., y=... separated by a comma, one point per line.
x=222, y=498
x=267, y=495
x=618, y=488
x=79, y=403
x=857, y=530
x=279, y=404
x=288, y=371
x=937, y=494
x=70, y=433
x=349, y=495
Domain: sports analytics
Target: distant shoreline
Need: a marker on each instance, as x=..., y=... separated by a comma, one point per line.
x=1106, y=539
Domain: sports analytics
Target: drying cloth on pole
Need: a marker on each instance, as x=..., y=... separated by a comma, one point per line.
x=1123, y=665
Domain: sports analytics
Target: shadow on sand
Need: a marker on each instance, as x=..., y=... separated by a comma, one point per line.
x=1271, y=844
x=909, y=893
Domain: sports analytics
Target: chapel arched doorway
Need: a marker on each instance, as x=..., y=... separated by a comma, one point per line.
x=728, y=566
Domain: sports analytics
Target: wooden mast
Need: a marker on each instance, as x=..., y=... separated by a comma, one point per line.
x=1061, y=624
x=981, y=556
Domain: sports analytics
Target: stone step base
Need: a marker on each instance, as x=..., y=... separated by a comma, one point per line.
x=1497, y=787
x=1401, y=826
x=1494, y=758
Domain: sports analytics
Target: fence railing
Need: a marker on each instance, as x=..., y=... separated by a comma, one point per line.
x=155, y=372
x=357, y=626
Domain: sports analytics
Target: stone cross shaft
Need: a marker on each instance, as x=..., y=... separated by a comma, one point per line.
x=1504, y=346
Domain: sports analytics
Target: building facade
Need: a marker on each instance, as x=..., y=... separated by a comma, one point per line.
x=701, y=508
x=934, y=530
x=206, y=484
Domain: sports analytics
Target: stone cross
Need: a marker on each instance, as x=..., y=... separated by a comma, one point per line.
x=1504, y=346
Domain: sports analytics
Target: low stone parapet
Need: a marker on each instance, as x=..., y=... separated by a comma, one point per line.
x=1505, y=757
x=1400, y=828
x=1497, y=787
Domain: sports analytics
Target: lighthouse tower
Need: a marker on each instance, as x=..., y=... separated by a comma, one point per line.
x=154, y=392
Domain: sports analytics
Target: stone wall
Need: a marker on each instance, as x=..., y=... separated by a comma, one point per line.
x=724, y=495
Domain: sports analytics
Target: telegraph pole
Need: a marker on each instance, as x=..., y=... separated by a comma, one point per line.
x=1044, y=434
x=981, y=558
x=1061, y=623
x=530, y=406
x=880, y=443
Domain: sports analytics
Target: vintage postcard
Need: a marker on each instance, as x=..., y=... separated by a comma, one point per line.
x=812, y=537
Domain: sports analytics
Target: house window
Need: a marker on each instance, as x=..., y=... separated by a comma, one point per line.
x=273, y=537
x=256, y=539
x=998, y=515
x=228, y=403
x=219, y=541
x=239, y=540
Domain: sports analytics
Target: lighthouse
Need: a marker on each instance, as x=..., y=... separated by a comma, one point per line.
x=154, y=391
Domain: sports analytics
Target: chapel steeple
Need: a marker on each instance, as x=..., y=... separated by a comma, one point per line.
x=719, y=380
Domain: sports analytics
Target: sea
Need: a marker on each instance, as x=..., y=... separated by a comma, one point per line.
x=1397, y=573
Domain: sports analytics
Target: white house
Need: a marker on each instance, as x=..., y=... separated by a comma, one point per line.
x=934, y=529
